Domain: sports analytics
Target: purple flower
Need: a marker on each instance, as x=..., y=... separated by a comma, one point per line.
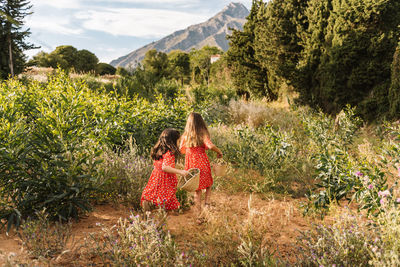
x=359, y=174
x=370, y=186
x=398, y=200
x=382, y=201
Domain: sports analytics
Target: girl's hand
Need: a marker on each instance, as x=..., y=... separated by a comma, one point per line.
x=184, y=173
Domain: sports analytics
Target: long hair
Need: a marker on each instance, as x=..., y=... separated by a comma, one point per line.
x=168, y=141
x=195, y=130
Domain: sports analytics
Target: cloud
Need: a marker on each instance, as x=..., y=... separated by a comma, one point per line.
x=60, y=4
x=145, y=23
x=53, y=24
x=155, y=1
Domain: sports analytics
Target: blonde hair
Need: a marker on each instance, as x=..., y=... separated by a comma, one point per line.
x=195, y=130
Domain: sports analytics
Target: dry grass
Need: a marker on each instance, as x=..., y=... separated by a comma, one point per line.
x=258, y=113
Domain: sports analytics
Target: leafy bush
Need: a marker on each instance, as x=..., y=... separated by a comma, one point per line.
x=259, y=150
x=167, y=88
x=332, y=161
x=48, y=153
x=104, y=68
x=52, y=136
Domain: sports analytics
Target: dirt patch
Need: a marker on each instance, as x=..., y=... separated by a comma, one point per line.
x=283, y=218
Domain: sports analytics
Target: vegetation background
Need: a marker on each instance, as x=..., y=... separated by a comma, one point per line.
x=303, y=105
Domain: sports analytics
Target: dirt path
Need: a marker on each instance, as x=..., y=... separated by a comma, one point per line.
x=282, y=219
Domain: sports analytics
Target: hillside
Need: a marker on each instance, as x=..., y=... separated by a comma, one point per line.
x=212, y=32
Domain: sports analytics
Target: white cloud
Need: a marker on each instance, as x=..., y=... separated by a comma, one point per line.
x=55, y=24
x=156, y=1
x=60, y=4
x=138, y=22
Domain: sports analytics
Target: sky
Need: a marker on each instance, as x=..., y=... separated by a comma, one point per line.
x=112, y=29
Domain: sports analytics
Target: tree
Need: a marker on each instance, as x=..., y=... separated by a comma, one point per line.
x=121, y=71
x=67, y=57
x=85, y=61
x=277, y=42
x=104, y=68
x=155, y=64
x=355, y=67
x=200, y=61
x=179, y=65
x=12, y=36
x=247, y=72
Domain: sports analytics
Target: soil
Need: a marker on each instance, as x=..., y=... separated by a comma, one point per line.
x=283, y=219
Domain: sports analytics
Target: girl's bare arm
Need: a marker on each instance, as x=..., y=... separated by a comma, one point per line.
x=217, y=150
x=169, y=169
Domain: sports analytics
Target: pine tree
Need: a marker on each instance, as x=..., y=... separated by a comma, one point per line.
x=12, y=36
x=277, y=42
x=394, y=91
x=247, y=72
x=314, y=44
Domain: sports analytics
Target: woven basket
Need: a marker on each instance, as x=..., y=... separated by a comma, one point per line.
x=190, y=182
x=219, y=168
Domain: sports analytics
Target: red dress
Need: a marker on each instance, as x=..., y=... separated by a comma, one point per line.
x=196, y=157
x=161, y=187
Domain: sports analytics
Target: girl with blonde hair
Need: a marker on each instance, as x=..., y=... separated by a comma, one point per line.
x=194, y=143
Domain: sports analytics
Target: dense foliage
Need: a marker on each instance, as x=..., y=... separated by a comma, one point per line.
x=332, y=52
x=52, y=137
x=67, y=57
x=248, y=73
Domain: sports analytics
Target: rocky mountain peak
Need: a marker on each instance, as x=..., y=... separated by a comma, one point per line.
x=235, y=10
x=211, y=32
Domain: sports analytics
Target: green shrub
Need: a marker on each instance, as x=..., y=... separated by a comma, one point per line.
x=260, y=150
x=333, y=164
x=104, y=68
x=52, y=137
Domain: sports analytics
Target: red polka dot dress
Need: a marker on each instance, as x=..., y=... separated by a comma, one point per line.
x=196, y=157
x=161, y=187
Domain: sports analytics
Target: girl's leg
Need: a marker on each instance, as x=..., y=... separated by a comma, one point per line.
x=146, y=205
x=198, y=202
x=207, y=196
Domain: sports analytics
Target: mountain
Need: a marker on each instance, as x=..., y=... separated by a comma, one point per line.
x=212, y=32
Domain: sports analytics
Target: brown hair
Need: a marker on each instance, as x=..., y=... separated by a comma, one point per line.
x=195, y=130
x=168, y=141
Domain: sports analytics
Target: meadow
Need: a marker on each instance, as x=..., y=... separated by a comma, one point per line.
x=302, y=189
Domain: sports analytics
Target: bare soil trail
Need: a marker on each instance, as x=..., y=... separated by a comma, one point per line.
x=282, y=218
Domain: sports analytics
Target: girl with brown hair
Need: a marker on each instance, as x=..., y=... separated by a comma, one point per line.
x=161, y=187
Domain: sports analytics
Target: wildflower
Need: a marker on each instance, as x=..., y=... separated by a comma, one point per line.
x=398, y=200
x=98, y=224
x=370, y=186
x=385, y=193
x=359, y=174
x=398, y=171
x=382, y=201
